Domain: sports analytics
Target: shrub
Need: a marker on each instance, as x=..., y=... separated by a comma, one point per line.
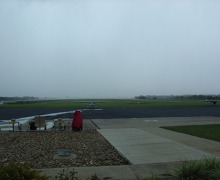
x=207, y=168
x=17, y=171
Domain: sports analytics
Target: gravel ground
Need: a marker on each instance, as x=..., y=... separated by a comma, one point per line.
x=38, y=149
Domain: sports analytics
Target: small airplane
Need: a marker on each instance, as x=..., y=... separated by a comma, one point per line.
x=91, y=105
x=212, y=101
x=1, y=104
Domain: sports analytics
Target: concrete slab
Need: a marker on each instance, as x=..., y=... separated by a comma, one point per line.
x=141, y=147
x=141, y=123
x=161, y=170
x=206, y=145
x=103, y=172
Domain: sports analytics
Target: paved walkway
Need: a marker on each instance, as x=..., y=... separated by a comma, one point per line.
x=148, y=147
x=146, y=136
x=123, y=172
x=142, y=147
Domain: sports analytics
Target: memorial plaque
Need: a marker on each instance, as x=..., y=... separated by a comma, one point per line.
x=13, y=121
x=64, y=152
x=39, y=121
x=13, y=124
x=60, y=121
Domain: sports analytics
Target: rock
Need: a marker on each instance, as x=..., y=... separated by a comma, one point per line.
x=4, y=160
x=38, y=148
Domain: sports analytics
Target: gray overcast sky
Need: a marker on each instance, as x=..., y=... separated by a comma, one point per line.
x=110, y=48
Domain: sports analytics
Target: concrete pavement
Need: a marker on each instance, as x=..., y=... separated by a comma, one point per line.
x=142, y=147
x=148, y=147
x=124, y=172
x=141, y=141
x=143, y=123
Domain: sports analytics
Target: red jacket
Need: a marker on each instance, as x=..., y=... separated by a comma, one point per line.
x=77, y=119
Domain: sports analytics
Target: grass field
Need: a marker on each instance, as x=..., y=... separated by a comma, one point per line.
x=211, y=132
x=101, y=103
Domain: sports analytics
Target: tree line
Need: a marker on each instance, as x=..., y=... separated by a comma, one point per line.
x=24, y=98
x=179, y=97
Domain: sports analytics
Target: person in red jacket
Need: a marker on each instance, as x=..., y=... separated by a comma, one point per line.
x=77, y=122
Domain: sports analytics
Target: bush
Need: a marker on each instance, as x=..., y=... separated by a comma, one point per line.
x=207, y=168
x=17, y=171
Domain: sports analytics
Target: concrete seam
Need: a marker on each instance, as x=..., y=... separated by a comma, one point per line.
x=94, y=124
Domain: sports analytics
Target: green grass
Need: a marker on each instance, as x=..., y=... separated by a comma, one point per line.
x=101, y=103
x=211, y=131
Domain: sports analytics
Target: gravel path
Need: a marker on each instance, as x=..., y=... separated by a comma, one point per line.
x=39, y=149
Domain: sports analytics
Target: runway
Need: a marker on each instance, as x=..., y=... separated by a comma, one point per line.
x=111, y=113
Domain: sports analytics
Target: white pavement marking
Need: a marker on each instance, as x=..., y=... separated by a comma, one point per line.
x=141, y=147
x=153, y=120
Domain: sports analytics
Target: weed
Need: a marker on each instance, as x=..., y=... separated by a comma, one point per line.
x=94, y=177
x=152, y=177
x=67, y=175
x=71, y=175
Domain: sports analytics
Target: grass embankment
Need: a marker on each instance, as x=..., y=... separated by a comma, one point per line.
x=211, y=131
x=100, y=103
